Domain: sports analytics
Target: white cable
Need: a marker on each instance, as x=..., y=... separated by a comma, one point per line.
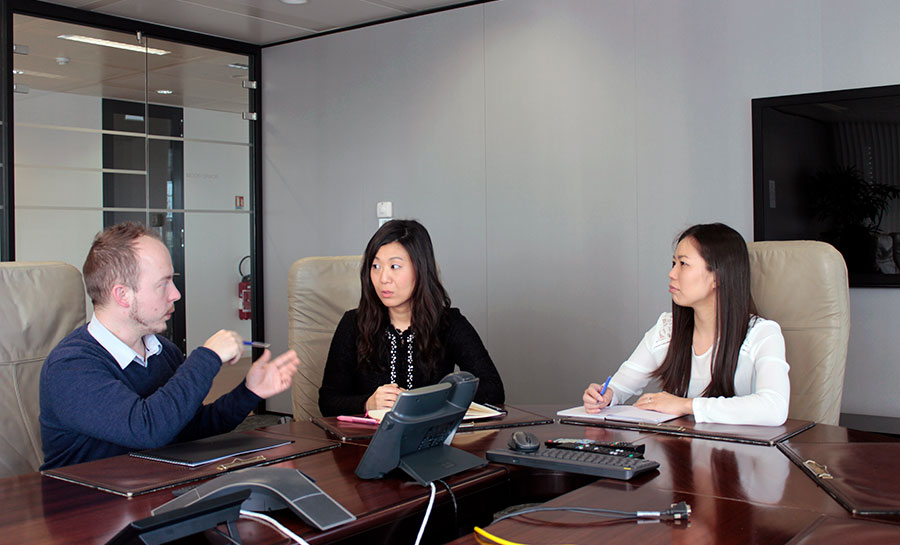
x=269, y=521
x=427, y=514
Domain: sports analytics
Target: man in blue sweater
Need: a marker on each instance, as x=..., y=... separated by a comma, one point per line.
x=113, y=386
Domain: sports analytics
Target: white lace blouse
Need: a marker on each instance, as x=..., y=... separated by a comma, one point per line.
x=761, y=385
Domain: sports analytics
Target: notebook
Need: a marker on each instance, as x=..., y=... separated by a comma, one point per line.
x=210, y=449
x=619, y=413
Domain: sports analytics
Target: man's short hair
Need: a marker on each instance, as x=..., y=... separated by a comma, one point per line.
x=113, y=260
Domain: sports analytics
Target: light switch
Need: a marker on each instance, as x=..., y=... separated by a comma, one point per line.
x=384, y=209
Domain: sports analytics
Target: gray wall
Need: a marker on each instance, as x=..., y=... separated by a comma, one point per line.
x=554, y=149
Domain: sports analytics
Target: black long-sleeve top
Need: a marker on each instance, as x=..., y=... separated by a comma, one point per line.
x=346, y=386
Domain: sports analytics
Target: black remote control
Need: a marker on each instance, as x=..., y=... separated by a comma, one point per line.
x=615, y=448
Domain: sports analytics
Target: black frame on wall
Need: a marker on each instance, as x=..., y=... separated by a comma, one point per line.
x=72, y=15
x=808, y=151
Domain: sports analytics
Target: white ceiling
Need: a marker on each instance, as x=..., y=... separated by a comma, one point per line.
x=258, y=22
x=193, y=76
x=190, y=76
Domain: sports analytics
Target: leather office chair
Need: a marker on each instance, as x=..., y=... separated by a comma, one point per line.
x=802, y=285
x=320, y=291
x=40, y=303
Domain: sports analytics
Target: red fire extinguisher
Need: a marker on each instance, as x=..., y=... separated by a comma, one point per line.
x=244, y=294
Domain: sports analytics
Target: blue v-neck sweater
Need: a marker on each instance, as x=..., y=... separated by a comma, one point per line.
x=91, y=408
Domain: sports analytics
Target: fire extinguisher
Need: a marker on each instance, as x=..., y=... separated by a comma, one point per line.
x=244, y=294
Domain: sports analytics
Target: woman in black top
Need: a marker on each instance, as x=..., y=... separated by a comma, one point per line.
x=404, y=334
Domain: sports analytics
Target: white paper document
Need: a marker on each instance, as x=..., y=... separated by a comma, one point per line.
x=476, y=411
x=620, y=413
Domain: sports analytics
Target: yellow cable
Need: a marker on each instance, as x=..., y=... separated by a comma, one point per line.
x=494, y=538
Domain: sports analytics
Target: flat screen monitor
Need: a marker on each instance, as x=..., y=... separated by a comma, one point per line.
x=826, y=166
x=415, y=434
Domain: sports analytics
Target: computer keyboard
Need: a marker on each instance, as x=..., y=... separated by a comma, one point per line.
x=574, y=461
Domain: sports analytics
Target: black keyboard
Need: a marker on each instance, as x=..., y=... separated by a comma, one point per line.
x=574, y=461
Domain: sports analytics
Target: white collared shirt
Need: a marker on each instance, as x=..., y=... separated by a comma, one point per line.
x=121, y=352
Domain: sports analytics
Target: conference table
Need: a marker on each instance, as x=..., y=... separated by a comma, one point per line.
x=738, y=493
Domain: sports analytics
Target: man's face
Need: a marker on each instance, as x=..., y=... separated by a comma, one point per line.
x=155, y=294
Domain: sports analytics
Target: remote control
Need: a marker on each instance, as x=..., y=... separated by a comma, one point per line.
x=615, y=448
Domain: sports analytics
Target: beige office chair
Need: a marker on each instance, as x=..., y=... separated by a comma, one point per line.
x=40, y=303
x=802, y=285
x=320, y=291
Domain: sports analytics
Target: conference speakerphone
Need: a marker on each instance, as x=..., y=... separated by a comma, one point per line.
x=271, y=489
x=575, y=461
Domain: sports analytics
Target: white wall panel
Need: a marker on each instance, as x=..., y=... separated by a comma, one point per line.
x=561, y=208
x=587, y=134
x=698, y=66
x=388, y=113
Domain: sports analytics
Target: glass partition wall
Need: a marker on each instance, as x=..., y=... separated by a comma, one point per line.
x=114, y=126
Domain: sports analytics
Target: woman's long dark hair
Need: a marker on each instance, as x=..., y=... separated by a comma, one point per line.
x=725, y=253
x=428, y=302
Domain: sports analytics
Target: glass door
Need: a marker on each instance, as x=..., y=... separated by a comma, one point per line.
x=60, y=81
x=113, y=126
x=207, y=216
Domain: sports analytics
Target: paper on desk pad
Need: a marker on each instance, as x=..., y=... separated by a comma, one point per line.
x=476, y=411
x=619, y=413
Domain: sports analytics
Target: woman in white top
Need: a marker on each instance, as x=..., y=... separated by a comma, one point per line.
x=714, y=359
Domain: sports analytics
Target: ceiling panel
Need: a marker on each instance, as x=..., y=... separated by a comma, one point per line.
x=318, y=13
x=257, y=21
x=414, y=5
x=198, y=77
x=206, y=20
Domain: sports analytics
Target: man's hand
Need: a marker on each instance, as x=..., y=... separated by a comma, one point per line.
x=228, y=345
x=268, y=377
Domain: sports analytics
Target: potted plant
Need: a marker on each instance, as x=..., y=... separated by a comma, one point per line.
x=853, y=207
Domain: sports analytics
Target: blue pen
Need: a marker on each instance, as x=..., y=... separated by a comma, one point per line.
x=260, y=344
x=605, y=384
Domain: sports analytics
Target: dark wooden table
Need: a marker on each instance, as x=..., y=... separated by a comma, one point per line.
x=738, y=493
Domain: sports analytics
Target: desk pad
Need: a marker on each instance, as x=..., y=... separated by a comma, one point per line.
x=686, y=427
x=127, y=475
x=827, y=529
x=515, y=417
x=860, y=476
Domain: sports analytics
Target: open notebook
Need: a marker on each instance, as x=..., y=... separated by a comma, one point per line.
x=476, y=411
x=620, y=413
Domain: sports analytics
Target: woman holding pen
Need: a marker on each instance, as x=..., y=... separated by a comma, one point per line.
x=714, y=359
x=404, y=334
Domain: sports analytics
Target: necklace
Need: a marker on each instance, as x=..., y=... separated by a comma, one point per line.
x=392, y=335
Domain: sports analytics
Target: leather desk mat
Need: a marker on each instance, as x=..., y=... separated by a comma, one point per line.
x=127, y=475
x=862, y=477
x=514, y=417
x=686, y=427
x=846, y=530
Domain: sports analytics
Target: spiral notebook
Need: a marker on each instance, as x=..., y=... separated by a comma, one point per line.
x=210, y=449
